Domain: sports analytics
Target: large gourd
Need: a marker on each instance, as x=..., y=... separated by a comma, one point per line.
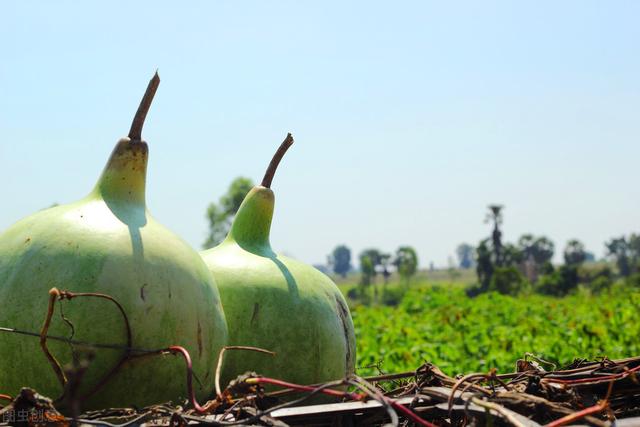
x=277, y=303
x=108, y=243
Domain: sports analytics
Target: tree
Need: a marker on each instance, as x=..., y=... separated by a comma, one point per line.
x=619, y=250
x=406, y=262
x=626, y=252
x=534, y=255
x=525, y=245
x=539, y=249
x=464, y=251
x=374, y=255
x=484, y=265
x=369, y=263
x=543, y=250
x=340, y=260
x=220, y=216
x=507, y=281
x=494, y=257
x=367, y=270
x=574, y=253
x=495, y=216
x=600, y=280
x=559, y=283
x=634, y=251
x=385, y=261
x=369, y=260
x=511, y=255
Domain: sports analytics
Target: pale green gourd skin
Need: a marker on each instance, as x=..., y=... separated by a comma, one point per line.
x=108, y=243
x=279, y=304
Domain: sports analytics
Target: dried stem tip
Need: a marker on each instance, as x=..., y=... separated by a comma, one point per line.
x=138, y=121
x=275, y=161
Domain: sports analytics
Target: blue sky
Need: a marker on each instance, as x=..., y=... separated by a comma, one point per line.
x=409, y=117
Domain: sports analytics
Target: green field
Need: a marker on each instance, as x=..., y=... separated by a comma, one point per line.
x=441, y=325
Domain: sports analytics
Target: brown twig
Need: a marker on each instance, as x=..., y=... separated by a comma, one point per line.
x=594, y=380
x=54, y=295
x=599, y=407
x=299, y=387
x=392, y=403
x=344, y=394
x=578, y=415
x=459, y=383
x=504, y=412
x=495, y=377
x=250, y=399
x=275, y=161
x=221, y=358
x=127, y=350
x=370, y=390
x=520, y=400
x=135, y=133
x=176, y=349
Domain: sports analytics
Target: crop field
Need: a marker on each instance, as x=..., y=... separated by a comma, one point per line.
x=441, y=325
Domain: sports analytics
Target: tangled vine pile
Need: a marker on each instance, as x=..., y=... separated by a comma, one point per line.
x=598, y=393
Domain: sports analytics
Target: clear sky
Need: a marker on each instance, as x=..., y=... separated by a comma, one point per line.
x=409, y=117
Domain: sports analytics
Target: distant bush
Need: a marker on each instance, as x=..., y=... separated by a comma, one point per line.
x=547, y=268
x=392, y=296
x=559, y=283
x=359, y=295
x=600, y=280
x=634, y=281
x=353, y=293
x=388, y=295
x=600, y=284
x=508, y=281
x=474, y=290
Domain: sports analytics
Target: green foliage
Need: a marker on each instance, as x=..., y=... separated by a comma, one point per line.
x=369, y=259
x=385, y=261
x=597, y=281
x=393, y=295
x=600, y=284
x=626, y=252
x=539, y=249
x=406, y=262
x=634, y=281
x=484, y=266
x=574, y=253
x=220, y=216
x=340, y=260
x=531, y=256
x=547, y=268
x=618, y=248
x=634, y=249
x=495, y=216
x=507, y=281
x=559, y=283
x=462, y=335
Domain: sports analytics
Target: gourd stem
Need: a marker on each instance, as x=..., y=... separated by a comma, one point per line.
x=275, y=161
x=135, y=133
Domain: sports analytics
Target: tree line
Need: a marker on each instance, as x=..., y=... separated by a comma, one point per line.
x=374, y=263
x=527, y=265
x=504, y=267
